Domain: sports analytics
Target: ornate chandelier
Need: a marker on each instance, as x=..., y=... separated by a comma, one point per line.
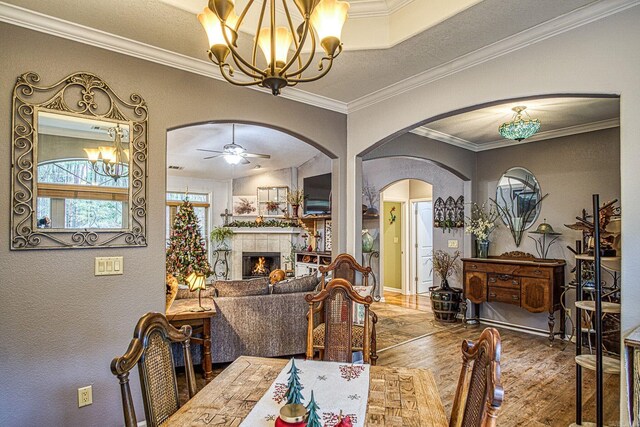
x=110, y=161
x=519, y=128
x=321, y=20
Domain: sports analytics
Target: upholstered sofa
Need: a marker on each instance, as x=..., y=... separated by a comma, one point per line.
x=254, y=318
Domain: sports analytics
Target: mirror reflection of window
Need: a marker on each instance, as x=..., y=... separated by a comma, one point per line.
x=83, y=173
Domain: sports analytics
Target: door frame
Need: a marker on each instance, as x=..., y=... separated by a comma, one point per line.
x=413, y=253
x=404, y=244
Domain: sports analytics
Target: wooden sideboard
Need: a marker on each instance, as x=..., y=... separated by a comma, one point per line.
x=531, y=283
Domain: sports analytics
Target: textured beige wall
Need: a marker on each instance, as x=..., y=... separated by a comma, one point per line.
x=60, y=326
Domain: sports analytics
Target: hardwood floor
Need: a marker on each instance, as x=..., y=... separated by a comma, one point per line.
x=539, y=380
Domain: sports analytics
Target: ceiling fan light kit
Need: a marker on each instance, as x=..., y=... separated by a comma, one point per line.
x=233, y=153
x=519, y=128
x=321, y=20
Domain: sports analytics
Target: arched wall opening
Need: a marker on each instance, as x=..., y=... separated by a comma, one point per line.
x=381, y=173
x=274, y=162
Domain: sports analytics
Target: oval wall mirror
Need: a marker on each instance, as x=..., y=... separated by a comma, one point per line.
x=518, y=198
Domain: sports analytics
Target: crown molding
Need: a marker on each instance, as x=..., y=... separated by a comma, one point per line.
x=445, y=137
x=501, y=143
x=540, y=32
x=36, y=21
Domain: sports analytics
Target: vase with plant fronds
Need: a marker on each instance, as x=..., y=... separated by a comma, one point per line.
x=295, y=198
x=445, y=300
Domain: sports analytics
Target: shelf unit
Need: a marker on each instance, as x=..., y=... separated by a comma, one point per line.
x=308, y=262
x=597, y=362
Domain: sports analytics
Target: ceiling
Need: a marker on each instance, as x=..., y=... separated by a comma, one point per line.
x=477, y=130
x=182, y=145
x=453, y=33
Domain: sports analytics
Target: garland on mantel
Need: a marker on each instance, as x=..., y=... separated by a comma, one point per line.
x=273, y=223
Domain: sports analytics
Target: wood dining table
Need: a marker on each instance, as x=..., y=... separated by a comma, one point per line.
x=397, y=396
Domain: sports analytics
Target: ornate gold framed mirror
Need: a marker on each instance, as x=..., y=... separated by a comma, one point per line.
x=79, y=165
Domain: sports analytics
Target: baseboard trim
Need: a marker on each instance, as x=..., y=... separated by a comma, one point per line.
x=514, y=327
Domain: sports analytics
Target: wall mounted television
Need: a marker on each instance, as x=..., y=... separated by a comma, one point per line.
x=317, y=190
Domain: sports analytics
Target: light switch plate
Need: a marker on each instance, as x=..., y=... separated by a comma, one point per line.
x=109, y=266
x=453, y=244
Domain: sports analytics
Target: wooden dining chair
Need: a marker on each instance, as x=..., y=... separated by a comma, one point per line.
x=479, y=393
x=337, y=337
x=344, y=266
x=150, y=349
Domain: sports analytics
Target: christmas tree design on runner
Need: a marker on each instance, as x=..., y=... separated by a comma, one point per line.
x=313, y=417
x=294, y=388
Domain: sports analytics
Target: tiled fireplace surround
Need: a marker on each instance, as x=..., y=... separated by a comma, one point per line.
x=259, y=240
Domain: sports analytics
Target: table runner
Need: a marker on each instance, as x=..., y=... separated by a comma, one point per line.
x=336, y=387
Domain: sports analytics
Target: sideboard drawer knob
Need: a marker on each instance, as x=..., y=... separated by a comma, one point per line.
x=492, y=295
x=474, y=266
x=515, y=297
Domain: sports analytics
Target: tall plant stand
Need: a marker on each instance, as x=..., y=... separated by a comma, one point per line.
x=597, y=362
x=221, y=264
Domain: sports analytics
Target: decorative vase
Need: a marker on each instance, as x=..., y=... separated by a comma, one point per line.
x=367, y=241
x=445, y=302
x=482, y=248
x=294, y=211
x=371, y=211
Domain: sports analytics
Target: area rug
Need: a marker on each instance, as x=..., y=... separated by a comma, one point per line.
x=399, y=325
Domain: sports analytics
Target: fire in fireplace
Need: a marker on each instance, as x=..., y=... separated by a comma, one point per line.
x=259, y=264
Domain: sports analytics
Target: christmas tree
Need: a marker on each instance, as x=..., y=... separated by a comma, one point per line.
x=294, y=387
x=186, y=252
x=313, y=418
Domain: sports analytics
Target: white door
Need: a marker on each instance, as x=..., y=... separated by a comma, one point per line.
x=424, y=246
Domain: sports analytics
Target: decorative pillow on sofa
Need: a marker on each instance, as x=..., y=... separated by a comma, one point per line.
x=296, y=284
x=242, y=288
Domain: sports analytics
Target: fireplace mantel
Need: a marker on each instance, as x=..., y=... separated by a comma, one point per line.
x=266, y=230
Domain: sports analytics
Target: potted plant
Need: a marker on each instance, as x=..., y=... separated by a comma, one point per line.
x=480, y=224
x=370, y=193
x=219, y=237
x=295, y=198
x=445, y=300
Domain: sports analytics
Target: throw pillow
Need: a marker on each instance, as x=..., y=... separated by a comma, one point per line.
x=242, y=288
x=296, y=284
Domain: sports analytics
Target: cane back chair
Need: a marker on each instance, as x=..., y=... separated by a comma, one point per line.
x=150, y=349
x=338, y=335
x=344, y=266
x=479, y=393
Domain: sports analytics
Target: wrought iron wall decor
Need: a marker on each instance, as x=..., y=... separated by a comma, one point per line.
x=85, y=98
x=448, y=214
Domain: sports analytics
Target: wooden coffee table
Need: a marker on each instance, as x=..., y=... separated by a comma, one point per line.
x=180, y=314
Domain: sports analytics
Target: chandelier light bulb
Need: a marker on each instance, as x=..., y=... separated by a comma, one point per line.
x=327, y=19
x=284, y=38
x=213, y=27
x=93, y=154
x=233, y=159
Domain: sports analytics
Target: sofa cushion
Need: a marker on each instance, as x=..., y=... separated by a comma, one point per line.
x=241, y=288
x=296, y=284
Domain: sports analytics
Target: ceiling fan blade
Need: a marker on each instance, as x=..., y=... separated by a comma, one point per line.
x=210, y=151
x=256, y=155
x=244, y=161
x=211, y=157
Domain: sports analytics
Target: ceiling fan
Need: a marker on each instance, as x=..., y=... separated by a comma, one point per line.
x=233, y=153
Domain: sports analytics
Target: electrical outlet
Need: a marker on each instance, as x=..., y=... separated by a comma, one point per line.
x=85, y=396
x=453, y=244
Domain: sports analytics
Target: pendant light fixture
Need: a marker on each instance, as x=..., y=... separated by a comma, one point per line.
x=111, y=161
x=519, y=127
x=321, y=21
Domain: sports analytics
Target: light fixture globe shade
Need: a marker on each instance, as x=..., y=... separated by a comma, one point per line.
x=519, y=128
x=328, y=18
x=232, y=159
x=213, y=27
x=284, y=39
x=108, y=154
x=93, y=154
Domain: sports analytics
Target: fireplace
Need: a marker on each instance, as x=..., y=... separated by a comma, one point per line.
x=259, y=264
